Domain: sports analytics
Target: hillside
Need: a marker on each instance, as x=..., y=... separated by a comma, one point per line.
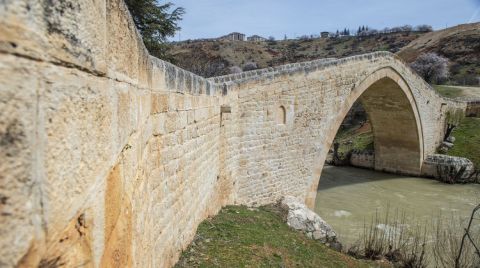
x=211, y=58
x=460, y=44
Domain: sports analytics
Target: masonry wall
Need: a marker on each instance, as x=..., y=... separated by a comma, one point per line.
x=111, y=158
x=473, y=109
x=276, y=159
x=363, y=159
x=108, y=157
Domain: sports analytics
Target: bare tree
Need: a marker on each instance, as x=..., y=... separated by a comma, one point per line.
x=469, y=236
x=431, y=67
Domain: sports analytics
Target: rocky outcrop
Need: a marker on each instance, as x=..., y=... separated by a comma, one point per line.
x=448, y=168
x=301, y=218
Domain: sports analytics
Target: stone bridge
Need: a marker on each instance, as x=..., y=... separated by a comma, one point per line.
x=111, y=158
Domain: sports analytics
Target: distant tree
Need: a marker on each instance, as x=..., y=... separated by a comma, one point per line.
x=155, y=23
x=250, y=66
x=285, y=37
x=431, y=67
x=406, y=28
x=423, y=28
x=271, y=41
x=371, y=32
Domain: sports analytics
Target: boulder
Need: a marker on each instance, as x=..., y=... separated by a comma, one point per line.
x=450, y=139
x=303, y=219
x=447, y=144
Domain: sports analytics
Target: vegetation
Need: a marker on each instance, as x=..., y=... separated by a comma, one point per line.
x=274, y=53
x=441, y=243
x=242, y=237
x=458, y=91
x=392, y=238
x=458, y=44
x=449, y=91
x=155, y=23
x=355, y=138
x=467, y=140
x=258, y=237
x=432, y=67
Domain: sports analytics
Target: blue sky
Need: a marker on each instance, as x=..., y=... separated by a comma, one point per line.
x=212, y=18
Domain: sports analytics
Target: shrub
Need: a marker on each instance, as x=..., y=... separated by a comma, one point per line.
x=431, y=67
x=249, y=66
x=235, y=70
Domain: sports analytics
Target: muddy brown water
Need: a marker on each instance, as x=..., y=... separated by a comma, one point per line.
x=348, y=197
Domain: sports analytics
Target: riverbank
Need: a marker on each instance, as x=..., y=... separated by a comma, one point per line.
x=244, y=237
x=467, y=140
x=457, y=91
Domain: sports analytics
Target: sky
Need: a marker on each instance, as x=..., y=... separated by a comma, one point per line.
x=214, y=18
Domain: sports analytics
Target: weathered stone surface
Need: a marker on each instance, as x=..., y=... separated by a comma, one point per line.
x=363, y=159
x=436, y=164
x=301, y=218
x=451, y=139
x=125, y=154
x=447, y=144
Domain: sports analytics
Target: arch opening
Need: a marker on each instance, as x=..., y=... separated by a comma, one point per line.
x=379, y=132
x=396, y=138
x=396, y=134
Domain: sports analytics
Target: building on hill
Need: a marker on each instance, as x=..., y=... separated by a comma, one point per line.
x=235, y=36
x=256, y=38
x=324, y=34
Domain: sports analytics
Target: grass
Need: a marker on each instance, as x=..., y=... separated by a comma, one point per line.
x=467, y=143
x=243, y=237
x=354, y=139
x=449, y=91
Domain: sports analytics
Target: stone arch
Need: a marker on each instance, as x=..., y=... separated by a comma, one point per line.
x=396, y=123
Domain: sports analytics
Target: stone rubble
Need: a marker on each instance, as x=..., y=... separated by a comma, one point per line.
x=305, y=220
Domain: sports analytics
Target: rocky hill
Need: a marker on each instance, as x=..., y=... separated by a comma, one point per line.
x=210, y=58
x=461, y=44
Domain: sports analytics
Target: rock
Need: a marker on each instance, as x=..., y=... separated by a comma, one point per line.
x=447, y=144
x=443, y=150
x=451, y=139
x=442, y=166
x=303, y=219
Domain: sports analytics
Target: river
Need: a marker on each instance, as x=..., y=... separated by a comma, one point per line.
x=348, y=197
